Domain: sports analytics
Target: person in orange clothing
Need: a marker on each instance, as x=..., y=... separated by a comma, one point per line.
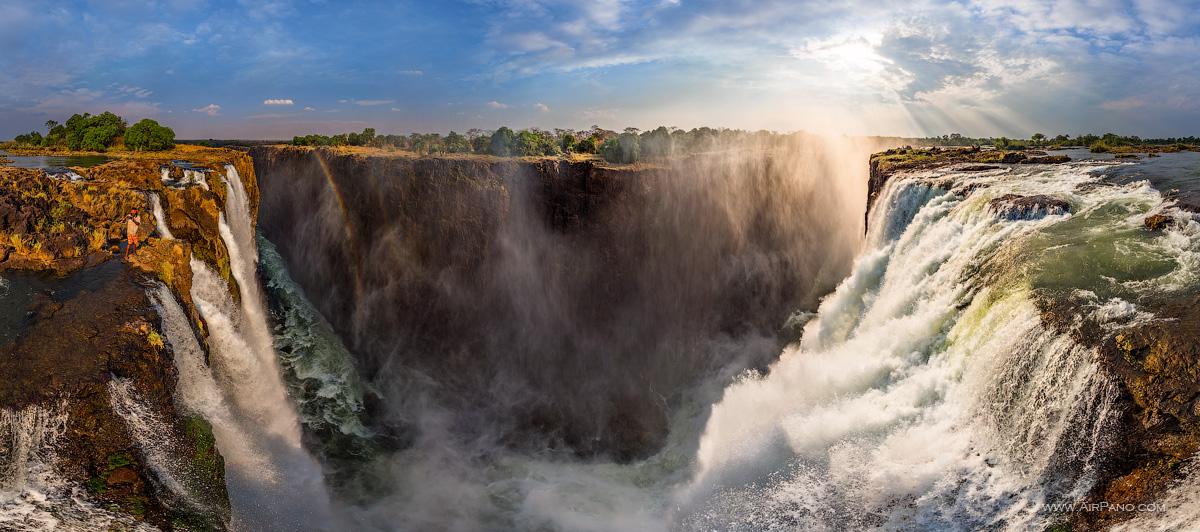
x=132, y=221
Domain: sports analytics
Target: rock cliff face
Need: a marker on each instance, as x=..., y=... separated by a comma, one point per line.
x=87, y=341
x=567, y=303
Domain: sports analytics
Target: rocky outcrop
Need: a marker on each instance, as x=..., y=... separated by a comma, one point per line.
x=91, y=331
x=91, y=342
x=1158, y=222
x=1157, y=433
x=1015, y=207
x=1047, y=159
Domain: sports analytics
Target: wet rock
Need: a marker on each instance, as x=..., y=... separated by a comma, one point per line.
x=104, y=328
x=1007, y=157
x=965, y=189
x=122, y=476
x=1048, y=159
x=1158, y=222
x=1015, y=207
x=977, y=168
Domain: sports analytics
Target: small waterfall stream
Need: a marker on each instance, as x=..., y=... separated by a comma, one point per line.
x=160, y=218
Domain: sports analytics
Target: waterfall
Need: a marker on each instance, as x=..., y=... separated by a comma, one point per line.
x=151, y=435
x=919, y=397
x=160, y=218
x=196, y=178
x=274, y=483
x=319, y=370
x=33, y=496
x=27, y=437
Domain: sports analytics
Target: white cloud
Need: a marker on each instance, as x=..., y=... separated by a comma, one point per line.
x=277, y=102
x=541, y=107
x=1124, y=105
x=274, y=115
x=590, y=114
x=394, y=109
x=169, y=72
x=136, y=92
x=497, y=105
x=373, y=102
x=309, y=109
x=211, y=110
x=410, y=73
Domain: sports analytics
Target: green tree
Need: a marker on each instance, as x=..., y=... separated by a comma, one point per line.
x=657, y=143
x=456, y=143
x=481, y=144
x=76, y=128
x=149, y=135
x=502, y=142
x=587, y=145
x=623, y=149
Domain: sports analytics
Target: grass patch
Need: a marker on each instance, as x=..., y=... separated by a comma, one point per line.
x=155, y=339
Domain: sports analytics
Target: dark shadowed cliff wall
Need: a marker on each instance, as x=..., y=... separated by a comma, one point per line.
x=555, y=304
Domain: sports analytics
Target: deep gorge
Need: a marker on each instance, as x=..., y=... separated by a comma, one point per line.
x=387, y=342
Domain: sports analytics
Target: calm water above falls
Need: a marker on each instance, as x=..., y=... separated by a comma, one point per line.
x=54, y=161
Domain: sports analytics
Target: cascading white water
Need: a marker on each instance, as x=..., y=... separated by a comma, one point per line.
x=160, y=218
x=33, y=496
x=281, y=487
x=197, y=391
x=918, y=398
x=153, y=436
x=196, y=178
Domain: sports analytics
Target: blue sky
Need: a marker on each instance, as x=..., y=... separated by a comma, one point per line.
x=274, y=69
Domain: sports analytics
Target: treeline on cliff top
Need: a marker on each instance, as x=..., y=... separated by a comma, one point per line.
x=100, y=133
x=1097, y=143
x=633, y=145
x=628, y=147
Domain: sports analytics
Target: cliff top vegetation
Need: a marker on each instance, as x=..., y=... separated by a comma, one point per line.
x=101, y=133
x=633, y=145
